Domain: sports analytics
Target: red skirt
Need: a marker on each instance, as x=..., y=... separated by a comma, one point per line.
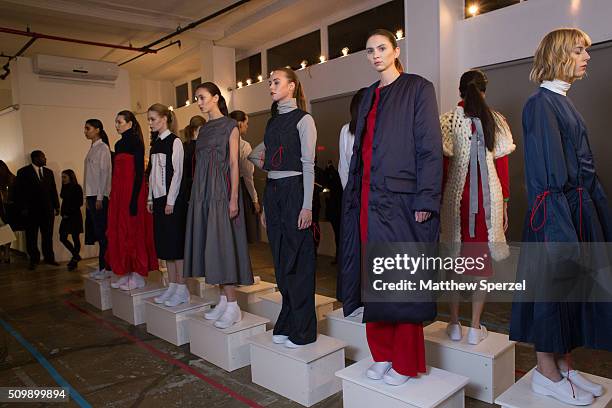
x=130, y=238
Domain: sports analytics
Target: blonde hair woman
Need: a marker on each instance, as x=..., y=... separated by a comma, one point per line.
x=567, y=205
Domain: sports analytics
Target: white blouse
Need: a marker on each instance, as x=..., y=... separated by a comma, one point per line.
x=346, y=152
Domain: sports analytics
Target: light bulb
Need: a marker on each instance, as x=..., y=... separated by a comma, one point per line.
x=171, y=108
x=345, y=51
x=399, y=34
x=473, y=9
x=187, y=102
x=303, y=64
x=249, y=81
x=322, y=59
x=240, y=84
x=259, y=78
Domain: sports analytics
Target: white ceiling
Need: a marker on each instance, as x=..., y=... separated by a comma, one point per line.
x=139, y=22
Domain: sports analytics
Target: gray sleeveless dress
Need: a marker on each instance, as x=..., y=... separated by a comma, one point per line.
x=215, y=245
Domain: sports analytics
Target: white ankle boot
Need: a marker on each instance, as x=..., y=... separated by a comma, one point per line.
x=167, y=294
x=577, y=379
x=394, y=378
x=230, y=316
x=475, y=336
x=454, y=331
x=563, y=390
x=180, y=295
x=135, y=281
x=378, y=370
x=279, y=338
x=121, y=281
x=218, y=310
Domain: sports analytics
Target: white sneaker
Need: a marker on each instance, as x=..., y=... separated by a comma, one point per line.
x=454, y=331
x=218, y=310
x=180, y=295
x=357, y=312
x=121, y=281
x=292, y=345
x=279, y=338
x=166, y=295
x=562, y=390
x=578, y=379
x=231, y=316
x=394, y=378
x=135, y=281
x=378, y=370
x=475, y=336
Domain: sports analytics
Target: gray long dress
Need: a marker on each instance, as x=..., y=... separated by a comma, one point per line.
x=215, y=245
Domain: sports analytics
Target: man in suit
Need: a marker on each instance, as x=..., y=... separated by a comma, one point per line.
x=36, y=197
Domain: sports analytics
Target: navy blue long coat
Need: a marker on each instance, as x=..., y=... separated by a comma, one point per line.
x=567, y=204
x=406, y=176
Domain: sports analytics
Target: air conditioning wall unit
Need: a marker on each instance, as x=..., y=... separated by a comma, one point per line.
x=64, y=67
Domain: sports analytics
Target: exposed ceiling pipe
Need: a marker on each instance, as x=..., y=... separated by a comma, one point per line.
x=158, y=49
x=190, y=26
x=6, y=68
x=145, y=50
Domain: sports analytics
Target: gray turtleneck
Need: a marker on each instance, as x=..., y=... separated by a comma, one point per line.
x=308, y=138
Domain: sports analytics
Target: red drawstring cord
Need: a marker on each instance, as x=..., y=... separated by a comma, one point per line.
x=316, y=232
x=568, y=361
x=580, y=197
x=540, y=200
x=277, y=159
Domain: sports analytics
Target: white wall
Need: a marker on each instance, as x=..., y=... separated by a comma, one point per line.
x=11, y=139
x=6, y=97
x=53, y=112
x=514, y=32
x=334, y=77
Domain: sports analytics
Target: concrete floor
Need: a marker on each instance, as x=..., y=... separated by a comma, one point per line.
x=113, y=364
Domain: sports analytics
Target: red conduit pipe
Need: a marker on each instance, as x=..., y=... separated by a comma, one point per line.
x=74, y=40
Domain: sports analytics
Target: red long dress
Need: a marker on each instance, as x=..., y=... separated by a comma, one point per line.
x=402, y=344
x=481, y=233
x=130, y=238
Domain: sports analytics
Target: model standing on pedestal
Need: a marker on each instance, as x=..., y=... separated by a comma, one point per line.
x=131, y=251
x=97, y=182
x=167, y=200
x=476, y=142
x=288, y=154
x=215, y=242
x=72, y=219
x=392, y=195
x=567, y=204
x=252, y=209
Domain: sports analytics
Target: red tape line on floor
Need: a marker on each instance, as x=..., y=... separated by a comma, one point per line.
x=164, y=356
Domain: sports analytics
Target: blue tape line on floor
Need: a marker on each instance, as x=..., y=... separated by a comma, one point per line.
x=74, y=395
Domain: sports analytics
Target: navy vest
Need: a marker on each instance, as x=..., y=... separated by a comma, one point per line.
x=282, y=140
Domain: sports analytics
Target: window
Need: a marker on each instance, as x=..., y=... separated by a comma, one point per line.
x=292, y=53
x=182, y=95
x=353, y=31
x=194, y=85
x=248, y=68
x=475, y=7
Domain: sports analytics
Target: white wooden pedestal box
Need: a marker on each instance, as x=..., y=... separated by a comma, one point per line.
x=305, y=375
